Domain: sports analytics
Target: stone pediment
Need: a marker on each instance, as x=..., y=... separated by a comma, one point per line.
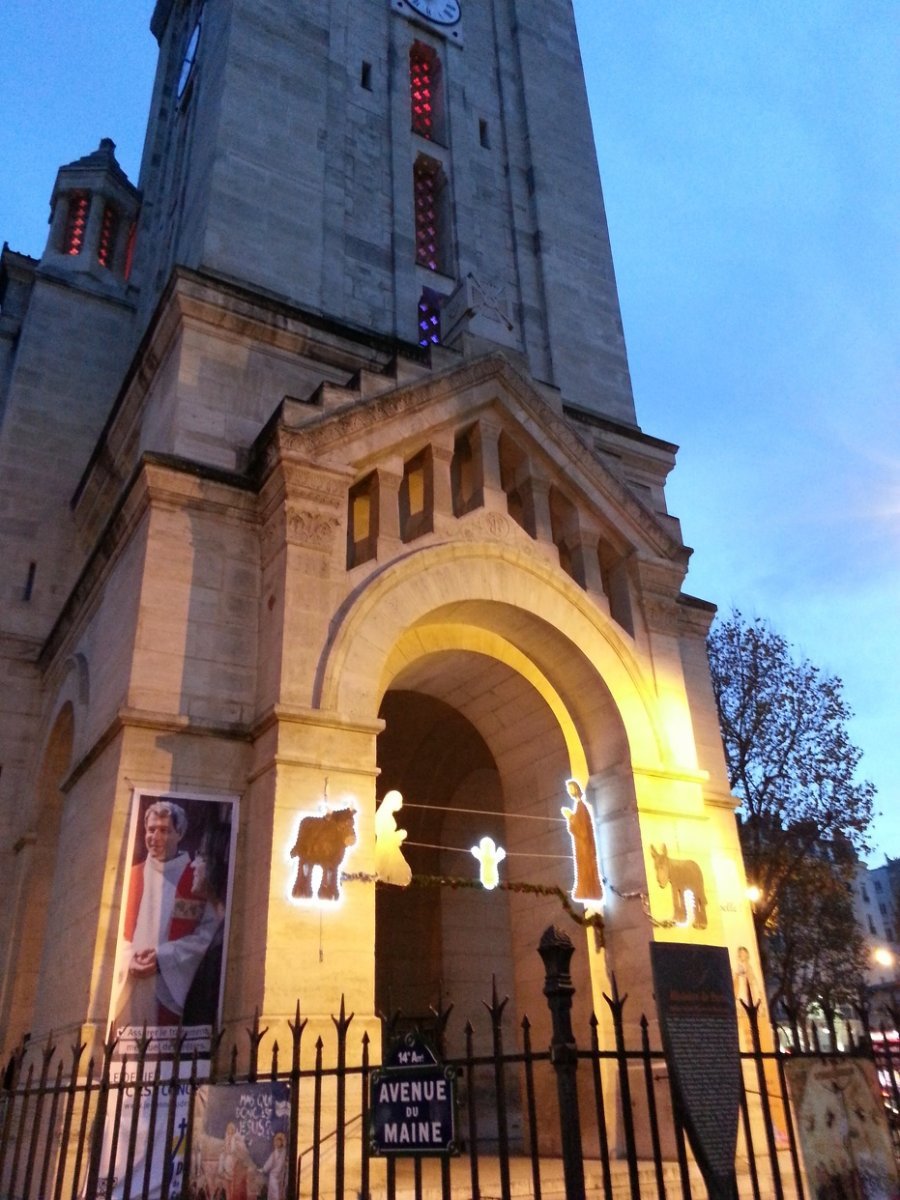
x=388, y=428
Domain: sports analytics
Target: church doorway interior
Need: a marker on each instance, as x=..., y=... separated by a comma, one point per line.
x=476, y=752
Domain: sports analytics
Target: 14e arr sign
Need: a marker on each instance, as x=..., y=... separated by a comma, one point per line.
x=413, y=1111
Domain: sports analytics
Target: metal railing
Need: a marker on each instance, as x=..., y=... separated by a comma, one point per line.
x=591, y=1120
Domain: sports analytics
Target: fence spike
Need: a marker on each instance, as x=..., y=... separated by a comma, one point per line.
x=496, y=1006
x=342, y=1022
x=617, y=1002
x=441, y=1014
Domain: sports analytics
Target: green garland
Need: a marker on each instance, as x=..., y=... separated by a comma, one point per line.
x=586, y=921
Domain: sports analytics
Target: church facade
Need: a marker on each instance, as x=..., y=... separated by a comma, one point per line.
x=321, y=482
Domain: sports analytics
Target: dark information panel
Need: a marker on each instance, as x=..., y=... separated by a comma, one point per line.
x=695, y=1002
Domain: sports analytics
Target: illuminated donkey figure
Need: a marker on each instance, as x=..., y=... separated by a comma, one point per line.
x=685, y=876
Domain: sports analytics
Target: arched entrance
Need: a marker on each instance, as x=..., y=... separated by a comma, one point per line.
x=477, y=750
x=497, y=678
x=36, y=855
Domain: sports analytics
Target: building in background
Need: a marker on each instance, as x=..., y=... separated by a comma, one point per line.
x=321, y=478
x=875, y=896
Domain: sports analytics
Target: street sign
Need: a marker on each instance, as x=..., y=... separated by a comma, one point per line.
x=412, y=1102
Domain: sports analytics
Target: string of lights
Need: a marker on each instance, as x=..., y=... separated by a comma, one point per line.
x=484, y=812
x=509, y=853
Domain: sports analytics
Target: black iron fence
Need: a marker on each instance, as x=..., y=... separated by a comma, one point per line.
x=583, y=1119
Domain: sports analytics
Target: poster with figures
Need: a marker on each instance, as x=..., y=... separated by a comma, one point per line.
x=240, y=1142
x=843, y=1129
x=170, y=956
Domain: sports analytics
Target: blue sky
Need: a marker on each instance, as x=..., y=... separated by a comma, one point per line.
x=750, y=156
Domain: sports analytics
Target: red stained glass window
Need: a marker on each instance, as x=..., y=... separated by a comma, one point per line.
x=108, y=232
x=76, y=223
x=129, y=249
x=423, y=71
x=425, y=188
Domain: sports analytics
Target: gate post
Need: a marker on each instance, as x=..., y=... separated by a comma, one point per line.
x=556, y=950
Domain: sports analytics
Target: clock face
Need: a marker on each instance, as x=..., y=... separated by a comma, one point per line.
x=442, y=12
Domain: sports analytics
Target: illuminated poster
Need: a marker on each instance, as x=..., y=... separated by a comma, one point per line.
x=170, y=958
x=240, y=1142
x=843, y=1129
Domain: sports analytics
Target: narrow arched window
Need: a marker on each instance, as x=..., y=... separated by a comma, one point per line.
x=417, y=496
x=465, y=474
x=429, y=318
x=76, y=223
x=362, y=521
x=108, y=230
x=430, y=214
x=426, y=92
x=129, y=249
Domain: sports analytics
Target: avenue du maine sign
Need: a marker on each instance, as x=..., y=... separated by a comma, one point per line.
x=413, y=1102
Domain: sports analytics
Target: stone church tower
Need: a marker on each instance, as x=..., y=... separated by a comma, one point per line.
x=321, y=478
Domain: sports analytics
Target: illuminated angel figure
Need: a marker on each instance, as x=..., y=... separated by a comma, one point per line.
x=390, y=865
x=489, y=857
x=580, y=823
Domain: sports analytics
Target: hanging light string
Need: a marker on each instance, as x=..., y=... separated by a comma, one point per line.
x=509, y=853
x=484, y=812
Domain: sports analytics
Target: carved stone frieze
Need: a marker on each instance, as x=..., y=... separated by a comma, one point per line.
x=307, y=527
x=316, y=486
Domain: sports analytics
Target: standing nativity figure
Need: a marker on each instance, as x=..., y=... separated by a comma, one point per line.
x=580, y=823
x=390, y=865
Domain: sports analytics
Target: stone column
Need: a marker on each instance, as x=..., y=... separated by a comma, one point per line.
x=486, y=452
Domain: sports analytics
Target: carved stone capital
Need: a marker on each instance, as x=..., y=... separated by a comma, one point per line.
x=309, y=527
x=661, y=614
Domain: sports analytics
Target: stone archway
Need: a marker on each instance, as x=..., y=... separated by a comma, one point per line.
x=36, y=855
x=549, y=684
x=480, y=742
x=421, y=624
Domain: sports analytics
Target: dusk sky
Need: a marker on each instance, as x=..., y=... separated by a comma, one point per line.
x=750, y=157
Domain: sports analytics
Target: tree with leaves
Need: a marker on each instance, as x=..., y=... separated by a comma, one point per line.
x=804, y=814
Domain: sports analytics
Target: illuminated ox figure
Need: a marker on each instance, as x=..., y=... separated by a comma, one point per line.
x=322, y=841
x=686, y=879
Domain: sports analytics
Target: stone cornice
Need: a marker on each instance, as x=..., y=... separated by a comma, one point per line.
x=158, y=722
x=332, y=431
